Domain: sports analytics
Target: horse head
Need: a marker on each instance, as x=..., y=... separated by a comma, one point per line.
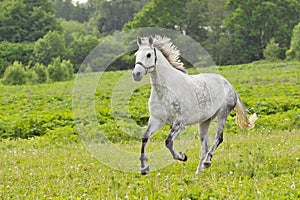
x=146, y=58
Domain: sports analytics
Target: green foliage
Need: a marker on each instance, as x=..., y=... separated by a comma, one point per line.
x=112, y=15
x=195, y=20
x=236, y=34
x=81, y=47
x=73, y=29
x=41, y=109
x=51, y=46
x=159, y=13
x=253, y=24
x=42, y=73
x=67, y=10
x=294, y=51
x=217, y=46
x=23, y=20
x=60, y=70
x=15, y=74
x=11, y=52
x=272, y=51
x=32, y=77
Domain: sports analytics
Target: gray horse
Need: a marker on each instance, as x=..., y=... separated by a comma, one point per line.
x=179, y=99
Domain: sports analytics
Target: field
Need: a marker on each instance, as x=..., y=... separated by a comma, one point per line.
x=42, y=156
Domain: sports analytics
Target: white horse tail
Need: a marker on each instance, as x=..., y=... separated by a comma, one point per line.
x=241, y=116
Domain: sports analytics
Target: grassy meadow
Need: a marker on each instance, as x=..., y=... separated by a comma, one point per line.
x=42, y=156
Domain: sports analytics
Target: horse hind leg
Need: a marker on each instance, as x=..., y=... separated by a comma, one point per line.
x=222, y=116
x=175, y=130
x=203, y=131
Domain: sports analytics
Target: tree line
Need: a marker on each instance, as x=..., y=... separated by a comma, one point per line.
x=39, y=32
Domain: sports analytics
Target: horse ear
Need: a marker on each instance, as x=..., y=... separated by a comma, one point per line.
x=151, y=41
x=139, y=40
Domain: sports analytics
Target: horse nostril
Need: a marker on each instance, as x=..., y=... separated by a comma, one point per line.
x=137, y=76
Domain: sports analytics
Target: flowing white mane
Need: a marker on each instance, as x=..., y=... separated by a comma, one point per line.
x=168, y=49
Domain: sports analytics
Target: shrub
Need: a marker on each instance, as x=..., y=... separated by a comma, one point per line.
x=42, y=73
x=15, y=74
x=294, y=51
x=272, y=51
x=68, y=66
x=32, y=77
x=60, y=70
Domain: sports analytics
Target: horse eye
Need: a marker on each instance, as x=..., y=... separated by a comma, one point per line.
x=148, y=55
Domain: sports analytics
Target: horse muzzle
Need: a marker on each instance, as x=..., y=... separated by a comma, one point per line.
x=137, y=76
x=138, y=73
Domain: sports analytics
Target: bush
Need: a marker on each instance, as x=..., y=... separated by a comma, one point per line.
x=272, y=51
x=15, y=74
x=42, y=73
x=60, y=70
x=294, y=51
x=32, y=77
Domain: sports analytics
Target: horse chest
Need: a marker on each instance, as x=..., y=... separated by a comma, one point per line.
x=167, y=99
x=164, y=104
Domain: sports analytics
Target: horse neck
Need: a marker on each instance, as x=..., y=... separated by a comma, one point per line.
x=164, y=74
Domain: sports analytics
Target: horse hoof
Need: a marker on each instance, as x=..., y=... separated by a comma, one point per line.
x=183, y=157
x=145, y=170
x=200, y=170
x=207, y=164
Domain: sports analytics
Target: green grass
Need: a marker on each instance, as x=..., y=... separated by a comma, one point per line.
x=52, y=163
x=255, y=166
x=269, y=89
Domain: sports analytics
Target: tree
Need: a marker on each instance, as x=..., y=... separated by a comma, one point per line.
x=216, y=44
x=10, y=52
x=72, y=29
x=190, y=17
x=196, y=20
x=65, y=9
x=160, y=13
x=112, y=15
x=81, y=47
x=294, y=51
x=255, y=22
x=52, y=45
x=26, y=20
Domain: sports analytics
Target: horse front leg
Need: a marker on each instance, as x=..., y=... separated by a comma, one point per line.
x=153, y=126
x=176, y=128
x=144, y=167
